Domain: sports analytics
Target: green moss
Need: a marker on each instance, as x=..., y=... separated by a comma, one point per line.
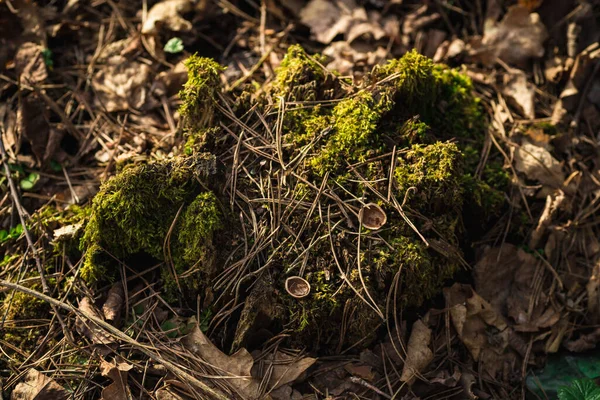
x=199, y=92
x=193, y=250
x=442, y=97
x=300, y=77
x=135, y=210
x=423, y=271
x=434, y=171
x=354, y=121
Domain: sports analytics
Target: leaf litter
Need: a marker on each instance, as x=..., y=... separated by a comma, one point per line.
x=534, y=288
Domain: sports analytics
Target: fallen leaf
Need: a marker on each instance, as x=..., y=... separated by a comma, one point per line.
x=516, y=39
x=520, y=92
x=585, y=342
x=32, y=123
x=37, y=386
x=167, y=14
x=235, y=368
x=67, y=231
x=284, y=368
x=418, y=353
x=327, y=19
x=30, y=65
x=167, y=394
x=87, y=328
x=114, y=303
x=504, y=277
x=117, y=372
x=348, y=58
x=472, y=316
x=593, y=292
x=538, y=164
x=362, y=371
x=121, y=84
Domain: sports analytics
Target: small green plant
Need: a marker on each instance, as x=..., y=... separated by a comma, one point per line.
x=14, y=233
x=47, y=54
x=580, y=389
x=29, y=182
x=174, y=46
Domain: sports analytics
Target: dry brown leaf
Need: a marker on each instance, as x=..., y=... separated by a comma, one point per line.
x=67, y=231
x=87, y=328
x=538, y=164
x=362, y=371
x=418, y=353
x=347, y=58
x=520, y=92
x=285, y=368
x=327, y=19
x=235, y=368
x=584, y=342
x=167, y=394
x=504, y=277
x=167, y=14
x=472, y=316
x=516, y=39
x=121, y=84
x=593, y=292
x=30, y=65
x=37, y=386
x=114, y=303
x=32, y=123
x=117, y=372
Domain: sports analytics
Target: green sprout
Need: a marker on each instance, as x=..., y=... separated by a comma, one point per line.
x=29, y=182
x=174, y=46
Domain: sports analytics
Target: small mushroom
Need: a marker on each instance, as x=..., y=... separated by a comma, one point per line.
x=372, y=216
x=297, y=287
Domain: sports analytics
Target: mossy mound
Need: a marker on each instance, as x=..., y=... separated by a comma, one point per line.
x=297, y=163
x=157, y=209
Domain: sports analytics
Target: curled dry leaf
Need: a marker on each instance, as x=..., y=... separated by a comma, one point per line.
x=538, y=164
x=516, y=39
x=121, y=84
x=32, y=123
x=87, y=328
x=418, y=353
x=472, y=316
x=520, y=92
x=114, y=303
x=167, y=14
x=504, y=277
x=327, y=19
x=117, y=372
x=37, y=386
x=236, y=369
x=67, y=231
x=347, y=57
x=30, y=65
x=283, y=368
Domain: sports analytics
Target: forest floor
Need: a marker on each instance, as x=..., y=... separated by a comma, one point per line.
x=89, y=86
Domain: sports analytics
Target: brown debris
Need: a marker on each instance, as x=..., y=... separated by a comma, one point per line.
x=37, y=386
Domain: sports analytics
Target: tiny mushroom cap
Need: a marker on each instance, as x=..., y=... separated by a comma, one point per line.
x=297, y=287
x=372, y=216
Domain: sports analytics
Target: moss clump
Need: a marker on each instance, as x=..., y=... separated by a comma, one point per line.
x=442, y=97
x=354, y=121
x=300, y=77
x=199, y=91
x=135, y=210
x=434, y=172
